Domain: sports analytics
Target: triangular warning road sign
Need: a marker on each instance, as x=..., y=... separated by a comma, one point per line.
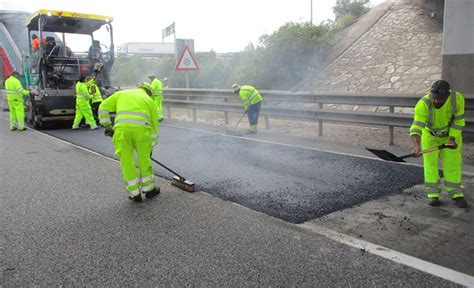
x=186, y=61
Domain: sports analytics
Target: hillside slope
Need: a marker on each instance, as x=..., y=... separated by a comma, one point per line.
x=399, y=52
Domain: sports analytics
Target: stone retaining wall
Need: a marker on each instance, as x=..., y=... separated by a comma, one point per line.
x=400, y=53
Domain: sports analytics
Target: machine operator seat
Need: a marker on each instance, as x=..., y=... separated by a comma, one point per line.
x=51, y=48
x=95, y=52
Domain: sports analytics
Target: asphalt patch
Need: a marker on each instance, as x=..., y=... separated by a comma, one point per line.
x=293, y=184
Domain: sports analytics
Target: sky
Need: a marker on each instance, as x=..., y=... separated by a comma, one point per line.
x=222, y=26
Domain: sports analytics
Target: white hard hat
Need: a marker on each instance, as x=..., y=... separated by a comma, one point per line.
x=235, y=87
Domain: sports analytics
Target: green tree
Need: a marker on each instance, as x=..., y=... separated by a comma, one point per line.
x=288, y=53
x=130, y=71
x=350, y=7
x=279, y=61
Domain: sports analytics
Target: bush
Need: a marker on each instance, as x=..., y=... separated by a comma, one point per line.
x=280, y=60
x=350, y=7
x=345, y=21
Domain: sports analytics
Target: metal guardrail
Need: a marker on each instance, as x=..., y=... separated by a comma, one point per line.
x=13, y=53
x=308, y=106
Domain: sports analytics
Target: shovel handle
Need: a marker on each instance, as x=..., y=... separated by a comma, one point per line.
x=241, y=117
x=428, y=150
x=162, y=165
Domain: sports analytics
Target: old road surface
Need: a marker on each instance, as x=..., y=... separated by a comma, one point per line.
x=66, y=220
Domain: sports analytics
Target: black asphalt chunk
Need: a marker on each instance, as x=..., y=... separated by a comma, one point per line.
x=292, y=184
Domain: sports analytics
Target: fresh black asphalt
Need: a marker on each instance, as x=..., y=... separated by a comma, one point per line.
x=293, y=184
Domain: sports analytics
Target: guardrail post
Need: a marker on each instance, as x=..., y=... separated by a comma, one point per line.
x=226, y=115
x=194, y=115
x=267, y=122
x=320, y=122
x=189, y=110
x=168, y=110
x=390, y=128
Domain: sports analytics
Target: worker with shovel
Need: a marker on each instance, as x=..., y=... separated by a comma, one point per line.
x=135, y=130
x=252, y=103
x=439, y=119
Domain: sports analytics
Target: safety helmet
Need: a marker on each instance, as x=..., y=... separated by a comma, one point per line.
x=145, y=86
x=440, y=88
x=235, y=87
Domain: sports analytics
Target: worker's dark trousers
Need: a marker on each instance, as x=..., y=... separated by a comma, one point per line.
x=253, y=112
x=95, y=111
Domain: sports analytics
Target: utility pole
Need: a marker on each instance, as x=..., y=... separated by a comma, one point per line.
x=311, y=12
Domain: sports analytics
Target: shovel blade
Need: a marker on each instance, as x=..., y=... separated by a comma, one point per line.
x=385, y=155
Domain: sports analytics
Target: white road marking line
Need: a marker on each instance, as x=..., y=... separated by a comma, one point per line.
x=471, y=174
x=398, y=257
x=290, y=145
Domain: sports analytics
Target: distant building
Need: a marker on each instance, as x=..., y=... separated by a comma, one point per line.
x=227, y=55
x=148, y=49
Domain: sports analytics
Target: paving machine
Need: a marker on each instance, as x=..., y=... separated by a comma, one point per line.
x=54, y=65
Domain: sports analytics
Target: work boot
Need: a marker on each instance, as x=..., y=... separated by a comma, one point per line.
x=13, y=129
x=250, y=131
x=94, y=128
x=434, y=202
x=461, y=202
x=21, y=129
x=152, y=193
x=136, y=199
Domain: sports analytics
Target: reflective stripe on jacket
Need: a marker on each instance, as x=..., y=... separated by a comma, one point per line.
x=14, y=89
x=448, y=120
x=94, y=91
x=82, y=93
x=249, y=96
x=133, y=108
x=157, y=88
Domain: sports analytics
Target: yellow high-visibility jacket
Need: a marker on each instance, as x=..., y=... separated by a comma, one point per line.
x=439, y=122
x=94, y=91
x=133, y=108
x=249, y=96
x=14, y=89
x=157, y=88
x=82, y=94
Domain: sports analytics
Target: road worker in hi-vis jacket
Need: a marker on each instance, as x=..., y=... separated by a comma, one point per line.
x=135, y=130
x=439, y=119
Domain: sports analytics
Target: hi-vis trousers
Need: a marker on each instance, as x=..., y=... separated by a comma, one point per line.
x=130, y=140
x=452, y=162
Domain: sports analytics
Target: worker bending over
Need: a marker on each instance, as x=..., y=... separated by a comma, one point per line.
x=252, y=103
x=83, y=107
x=135, y=129
x=439, y=119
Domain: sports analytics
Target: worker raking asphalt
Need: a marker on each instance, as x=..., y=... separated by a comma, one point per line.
x=289, y=183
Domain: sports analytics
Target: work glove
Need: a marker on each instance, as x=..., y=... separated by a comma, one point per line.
x=109, y=131
x=452, y=143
